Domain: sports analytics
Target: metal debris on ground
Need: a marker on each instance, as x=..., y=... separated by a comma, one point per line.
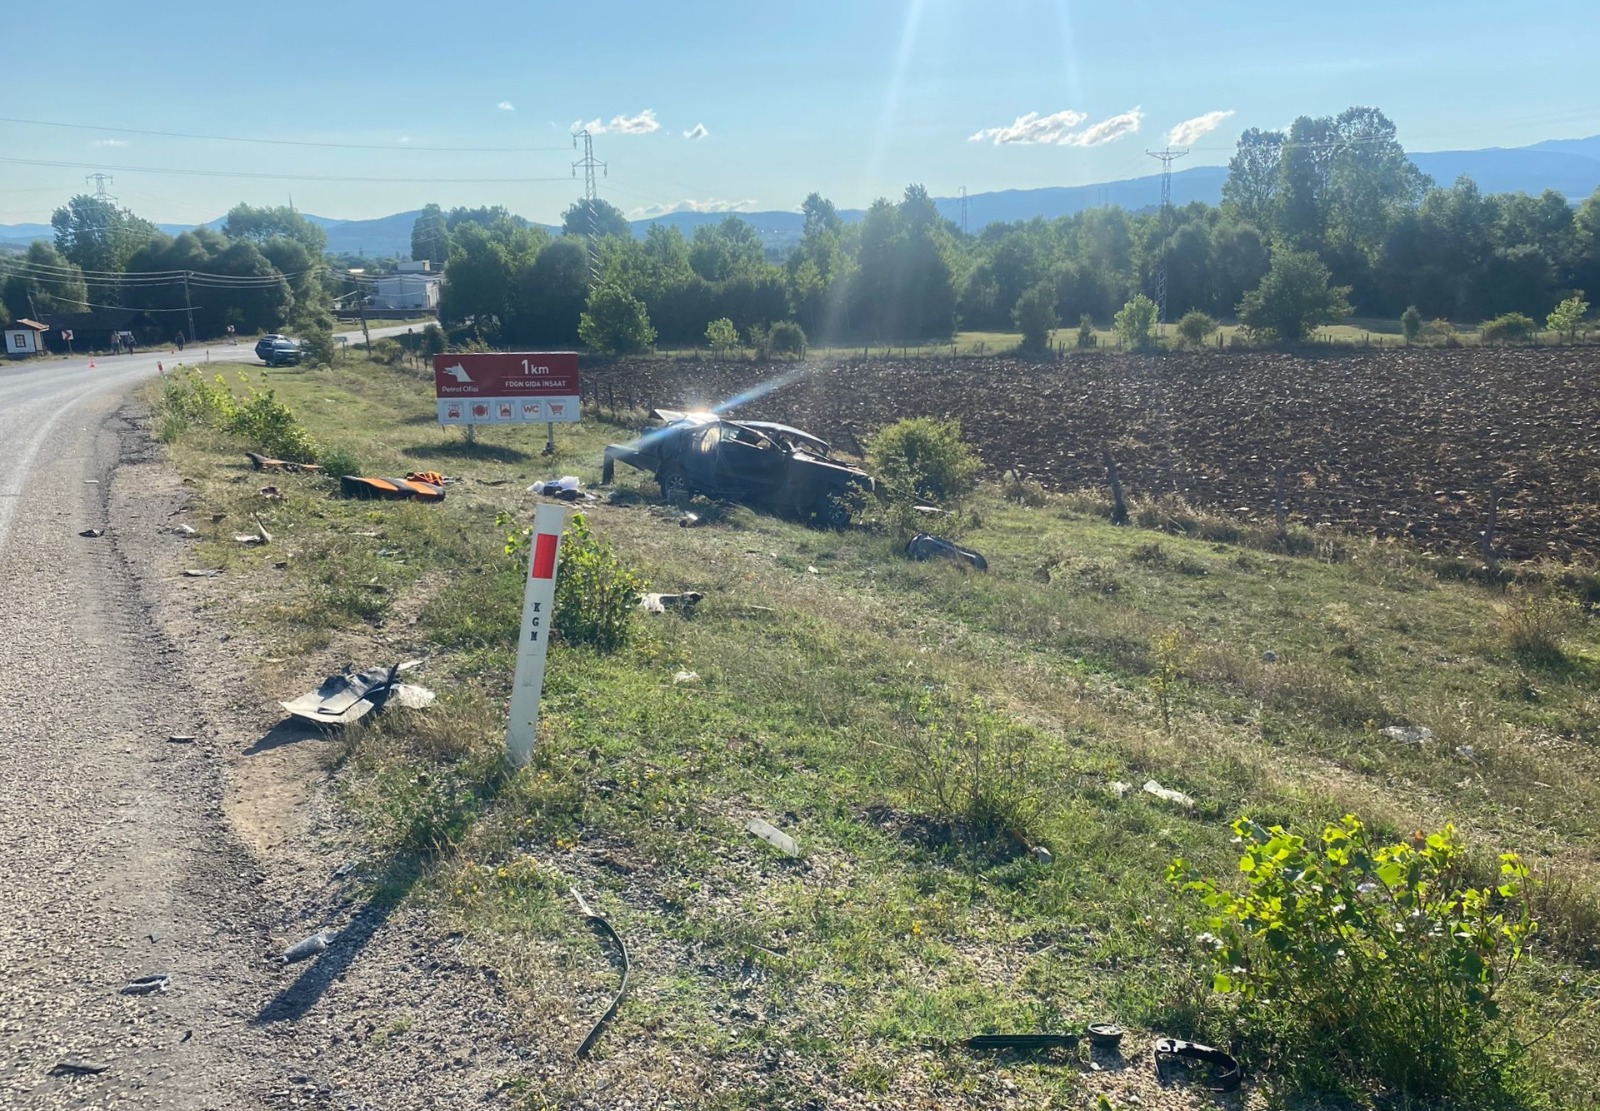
x=182, y=739
x=660, y=603
x=93, y=533
x=271, y=493
x=605, y=927
x=690, y=520
x=263, y=537
x=75, y=1067
x=1167, y=794
x=1225, y=1067
x=1409, y=734
x=1026, y=1043
x=144, y=985
x=418, y=485
x=202, y=572
x=185, y=530
x=1106, y=1035
x=1269, y=656
x=347, y=697
x=265, y=463
x=925, y=546
x=1042, y=854
x=308, y=947
x=773, y=836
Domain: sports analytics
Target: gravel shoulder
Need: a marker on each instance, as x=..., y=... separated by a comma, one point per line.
x=131, y=854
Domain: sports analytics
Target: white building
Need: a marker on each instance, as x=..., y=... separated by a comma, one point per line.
x=25, y=337
x=413, y=289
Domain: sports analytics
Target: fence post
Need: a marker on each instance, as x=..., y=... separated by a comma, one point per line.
x=1279, y=511
x=1486, y=540
x=1119, y=507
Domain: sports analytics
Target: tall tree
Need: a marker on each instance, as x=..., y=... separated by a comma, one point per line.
x=47, y=283
x=261, y=224
x=96, y=235
x=1370, y=179
x=430, y=236
x=1254, y=177
x=602, y=218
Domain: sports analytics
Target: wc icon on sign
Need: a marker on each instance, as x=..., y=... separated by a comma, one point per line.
x=530, y=410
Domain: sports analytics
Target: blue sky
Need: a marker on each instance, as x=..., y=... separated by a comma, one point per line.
x=854, y=99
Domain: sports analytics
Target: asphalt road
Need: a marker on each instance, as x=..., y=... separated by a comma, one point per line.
x=116, y=860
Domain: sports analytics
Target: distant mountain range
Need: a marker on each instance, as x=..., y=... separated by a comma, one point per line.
x=1571, y=167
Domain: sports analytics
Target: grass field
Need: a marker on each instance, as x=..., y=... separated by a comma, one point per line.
x=865, y=705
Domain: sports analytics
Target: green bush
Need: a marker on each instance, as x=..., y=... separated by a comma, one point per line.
x=1411, y=324
x=1508, y=328
x=722, y=336
x=787, y=338
x=433, y=342
x=1381, y=962
x=1086, y=336
x=596, y=595
x=1196, y=327
x=268, y=424
x=615, y=322
x=922, y=459
x=339, y=461
x=1135, y=323
x=1035, y=316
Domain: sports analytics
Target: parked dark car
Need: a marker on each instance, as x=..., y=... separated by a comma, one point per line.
x=276, y=350
x=772, y=466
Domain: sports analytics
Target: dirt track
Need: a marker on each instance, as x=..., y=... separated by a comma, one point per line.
x=1389, y=443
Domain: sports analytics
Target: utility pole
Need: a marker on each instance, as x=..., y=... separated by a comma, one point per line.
x=188, y=307
x=1167, y=157
x=590, y=195
x=963, y=210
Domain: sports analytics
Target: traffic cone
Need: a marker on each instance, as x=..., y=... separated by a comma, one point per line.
x=91, y=362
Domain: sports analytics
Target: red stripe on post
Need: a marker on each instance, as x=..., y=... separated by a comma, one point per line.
x=545, y=545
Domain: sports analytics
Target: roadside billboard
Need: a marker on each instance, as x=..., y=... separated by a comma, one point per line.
x=515, y=387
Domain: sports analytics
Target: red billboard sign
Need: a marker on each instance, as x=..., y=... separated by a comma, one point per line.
x=516, y=387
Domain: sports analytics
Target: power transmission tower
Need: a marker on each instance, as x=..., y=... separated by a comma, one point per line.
x=591, y=195
x=963, y=210
x=100, y=182
x=1167, y=158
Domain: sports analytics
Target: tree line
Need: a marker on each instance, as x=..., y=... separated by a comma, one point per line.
x=1352, y=223
x=263, y=270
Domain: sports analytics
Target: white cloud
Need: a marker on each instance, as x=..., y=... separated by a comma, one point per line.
x=109, y=143
x=1033, y=128
x=405, y=138
x=506, y=106
x=1190, y=131
x=1108, y=130
x=698, y=131
x=642, y=124
x=689, y=206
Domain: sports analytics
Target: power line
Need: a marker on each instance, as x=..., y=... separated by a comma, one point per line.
x=399, y=147
x=284, y=177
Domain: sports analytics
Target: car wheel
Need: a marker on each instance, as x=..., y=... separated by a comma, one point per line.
x=834, y=512
x=675, y=484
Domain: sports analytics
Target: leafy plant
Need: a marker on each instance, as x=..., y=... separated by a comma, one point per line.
x=1411, y=324
x=1508, y=328
x=1293, y=298
x=1384, y=960
x=263, y=420
x=1086, y=336
x=1035, y=315
x=722, y=336
x=786, y=338
x=615, y=322
x=596, y=595
x=1196, y=327
x=1171, y=657
x=922, y=458
x=970, y=767
x=1135, y=323
x=433, y=340
x=1568, y=316
x=339, y=461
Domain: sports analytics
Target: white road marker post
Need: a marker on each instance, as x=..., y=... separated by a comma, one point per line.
x=538, y=612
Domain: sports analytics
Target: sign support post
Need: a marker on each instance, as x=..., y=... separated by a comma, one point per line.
x=533, y=643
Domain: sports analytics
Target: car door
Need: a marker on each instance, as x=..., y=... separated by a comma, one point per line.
x=748, y=463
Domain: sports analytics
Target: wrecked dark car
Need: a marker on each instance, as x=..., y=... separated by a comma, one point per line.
x=765, y=465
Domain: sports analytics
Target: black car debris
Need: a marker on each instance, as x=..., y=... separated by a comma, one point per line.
x=759, y=463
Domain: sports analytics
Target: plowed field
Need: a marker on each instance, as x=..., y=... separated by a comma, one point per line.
x=1392, y=443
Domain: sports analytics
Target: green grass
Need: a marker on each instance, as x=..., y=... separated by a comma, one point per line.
x=916, y=728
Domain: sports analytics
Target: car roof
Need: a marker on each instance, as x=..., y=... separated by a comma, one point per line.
x=766, y=428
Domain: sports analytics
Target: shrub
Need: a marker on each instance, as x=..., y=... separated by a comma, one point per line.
x=973, y=769
x=923, y=459
x=1135, y=323
x=1035, y=315
x=261, y=419
x=1508, y=328
x=1568, y=316
x=615, y=322
x=596, y=595
x=786, y=338
x=1382, y=961
x=1411, y=324
x=433, y=340
x=316, y=344
x=1086, y=336
x=722, y=335
x=1196, y=327
x=1293, y=298
x=1533, y=626
x=339, y=461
